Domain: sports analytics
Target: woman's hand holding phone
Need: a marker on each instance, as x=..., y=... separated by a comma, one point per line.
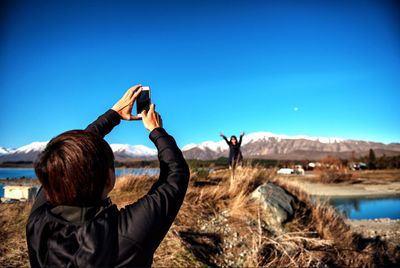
x=124, y=106
x=151, y=119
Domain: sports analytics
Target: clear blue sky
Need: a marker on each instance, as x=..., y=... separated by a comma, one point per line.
x=317, y=68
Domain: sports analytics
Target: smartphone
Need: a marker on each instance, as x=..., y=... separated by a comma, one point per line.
x=143, y=101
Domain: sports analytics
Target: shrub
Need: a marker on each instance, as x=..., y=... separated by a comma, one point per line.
x=332, y=170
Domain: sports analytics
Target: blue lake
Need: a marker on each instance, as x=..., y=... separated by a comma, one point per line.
x=17, y=173
x=30, y=173
x=13, y=173
x=368, y=208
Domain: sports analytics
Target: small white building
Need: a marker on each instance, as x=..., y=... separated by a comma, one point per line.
x=20, y=192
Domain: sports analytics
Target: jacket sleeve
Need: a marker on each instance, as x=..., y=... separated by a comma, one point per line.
x=102, y=126
x=104, y=123
x=148, y=220
x=226, y=140
x=240, y=140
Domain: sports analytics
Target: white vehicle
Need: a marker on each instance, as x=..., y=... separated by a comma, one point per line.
x=285, y=171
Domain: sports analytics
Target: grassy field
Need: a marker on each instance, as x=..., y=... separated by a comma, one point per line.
x=218, y=225
x=13, y=250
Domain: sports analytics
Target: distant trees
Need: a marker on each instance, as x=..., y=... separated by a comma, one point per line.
x=382, y=162
x=371, y=159
x=136, y=164
x=388, y=162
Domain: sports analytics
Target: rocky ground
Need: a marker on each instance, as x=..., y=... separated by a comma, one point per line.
x=386, y=229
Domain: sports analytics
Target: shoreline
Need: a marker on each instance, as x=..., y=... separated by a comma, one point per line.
x=361, y=196
x=26, y=181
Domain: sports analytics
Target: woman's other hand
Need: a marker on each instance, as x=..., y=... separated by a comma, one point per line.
x=124, y=106
x=151, y=119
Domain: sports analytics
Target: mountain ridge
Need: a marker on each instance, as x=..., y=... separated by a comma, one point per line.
x=254, y=145
x=31, y=151
x=274, y=146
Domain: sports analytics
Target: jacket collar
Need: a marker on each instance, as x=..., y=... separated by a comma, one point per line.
x=75, y=214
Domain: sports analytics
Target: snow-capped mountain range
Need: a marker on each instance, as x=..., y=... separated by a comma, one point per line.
x=4, y=150
x=31, y=151
x=126, y=151
x=275, y=146
x=254, y=145
x=255, y=137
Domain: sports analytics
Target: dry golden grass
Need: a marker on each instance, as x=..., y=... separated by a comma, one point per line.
x=219, y=225
x=333, y=171
x=130, y=188
x=385, y=175
x=347, y=248
x=13, y=251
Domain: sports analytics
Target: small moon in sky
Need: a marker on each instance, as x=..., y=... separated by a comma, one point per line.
x=295, y=109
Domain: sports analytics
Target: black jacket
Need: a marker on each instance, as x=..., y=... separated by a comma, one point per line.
x=235, y=154
x=103, y=236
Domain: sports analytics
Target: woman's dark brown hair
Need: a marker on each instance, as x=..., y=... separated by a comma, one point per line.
x=74, y=167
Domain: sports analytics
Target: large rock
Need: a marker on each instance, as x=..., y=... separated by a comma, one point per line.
x=276, y=203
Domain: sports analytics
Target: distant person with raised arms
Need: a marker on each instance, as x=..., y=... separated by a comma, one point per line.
x=235, y=154
x=73, y=222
